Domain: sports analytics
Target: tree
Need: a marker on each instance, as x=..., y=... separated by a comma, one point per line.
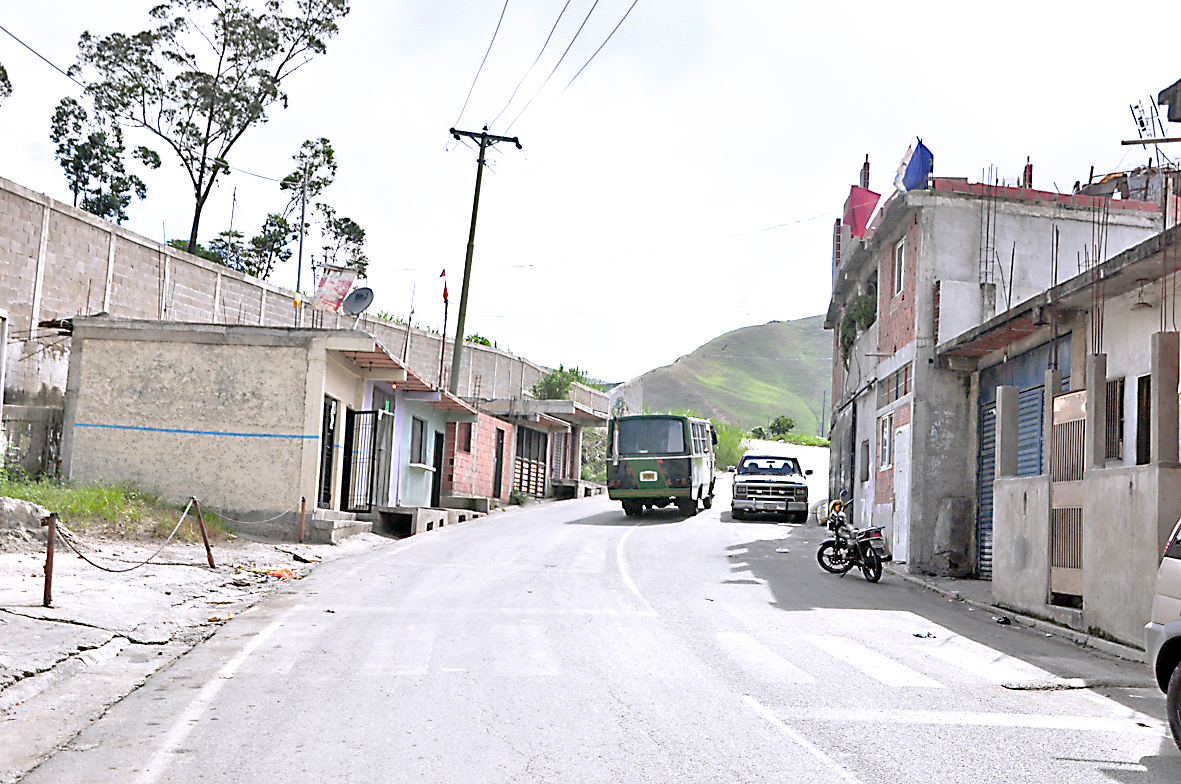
x=782, y=425
x=758, y=432
x=345, y=241
x=5, y=85
x=556, y=385
x=317, y=160
x=91, y=154
x=204, y=75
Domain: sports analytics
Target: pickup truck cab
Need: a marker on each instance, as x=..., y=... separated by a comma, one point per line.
x=770, y=484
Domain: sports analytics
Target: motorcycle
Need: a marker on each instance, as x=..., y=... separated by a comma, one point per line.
x=849, y=547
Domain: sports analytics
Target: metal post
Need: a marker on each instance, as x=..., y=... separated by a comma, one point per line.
x=443, y=344
x=303, y=509
x=303, y=212
x=204, y=536
x=51, y=522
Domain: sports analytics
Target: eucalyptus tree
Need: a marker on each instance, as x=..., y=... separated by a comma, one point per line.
x=204, y=74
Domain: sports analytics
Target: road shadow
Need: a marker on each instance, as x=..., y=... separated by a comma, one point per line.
x=798, y=584
x=616, y=517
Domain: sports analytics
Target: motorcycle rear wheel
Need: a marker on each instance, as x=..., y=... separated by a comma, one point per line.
x=871, y=566
x=832, y=561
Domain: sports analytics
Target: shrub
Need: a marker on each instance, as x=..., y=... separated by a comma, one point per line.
x=518, y=497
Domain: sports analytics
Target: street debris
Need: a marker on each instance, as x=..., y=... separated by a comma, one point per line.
x=1002, y=620
x=924, y=635
x=782, y=550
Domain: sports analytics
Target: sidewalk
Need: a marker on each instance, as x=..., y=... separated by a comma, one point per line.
x=62, y=666
x=978, y=593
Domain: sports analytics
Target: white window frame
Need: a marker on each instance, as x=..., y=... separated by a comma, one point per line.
x=886, y=442
x=899, y=261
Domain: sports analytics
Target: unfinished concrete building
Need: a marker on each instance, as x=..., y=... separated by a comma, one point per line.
x=935, y=262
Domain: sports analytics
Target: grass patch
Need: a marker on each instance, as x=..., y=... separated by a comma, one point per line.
x=113, y=510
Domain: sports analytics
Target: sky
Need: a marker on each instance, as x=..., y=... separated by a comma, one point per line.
x=686, y=182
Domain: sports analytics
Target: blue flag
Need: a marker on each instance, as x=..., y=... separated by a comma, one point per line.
x=916, y=166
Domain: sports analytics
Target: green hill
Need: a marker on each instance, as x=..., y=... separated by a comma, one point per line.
x=751, y=375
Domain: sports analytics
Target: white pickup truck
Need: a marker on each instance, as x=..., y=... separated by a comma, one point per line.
x=770, y=484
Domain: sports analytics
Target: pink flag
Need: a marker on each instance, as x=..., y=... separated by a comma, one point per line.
x=858, y=209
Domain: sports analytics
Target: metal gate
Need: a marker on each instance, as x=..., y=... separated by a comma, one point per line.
x=1066, y=514
x=368, y=445
x=985, y=473
x=529, y=466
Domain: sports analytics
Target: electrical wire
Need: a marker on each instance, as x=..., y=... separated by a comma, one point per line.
x=43, y=57
x=481, y=68
x=530, y=70
x=588, y=62
x=551, y=73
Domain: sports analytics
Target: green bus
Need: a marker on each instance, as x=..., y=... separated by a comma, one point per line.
x=659, y=459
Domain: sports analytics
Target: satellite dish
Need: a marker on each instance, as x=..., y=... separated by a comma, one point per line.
x=355, y=303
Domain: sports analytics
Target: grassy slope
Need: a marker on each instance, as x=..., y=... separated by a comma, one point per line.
x=751, y=375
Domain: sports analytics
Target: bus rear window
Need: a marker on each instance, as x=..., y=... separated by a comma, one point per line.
x=651, y=436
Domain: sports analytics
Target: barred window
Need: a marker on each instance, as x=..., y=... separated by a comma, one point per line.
x=1114, y=420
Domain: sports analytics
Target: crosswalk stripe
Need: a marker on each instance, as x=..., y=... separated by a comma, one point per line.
x=980, y=660
x=759, y=660
x=984, y=719
x=872, y=663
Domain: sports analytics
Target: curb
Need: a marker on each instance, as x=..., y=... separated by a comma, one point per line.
x=1116, y=649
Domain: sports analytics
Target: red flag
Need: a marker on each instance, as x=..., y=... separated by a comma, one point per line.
x=858, y=208
x=443, y=274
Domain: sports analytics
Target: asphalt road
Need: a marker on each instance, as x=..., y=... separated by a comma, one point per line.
x=569, y=643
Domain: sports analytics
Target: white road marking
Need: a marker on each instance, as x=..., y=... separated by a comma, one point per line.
x=761, y=661
x=984, y=719
x=411, y=653
x=800, y=740
x=990, y=664
x=522, y=649
x=621, y=563
x=872, y=663
x=186, y=721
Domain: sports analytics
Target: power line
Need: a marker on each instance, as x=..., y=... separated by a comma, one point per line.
x=43, y=58
x=530, y=70
x=588, y=62
x=481, y=68
x=551, y=73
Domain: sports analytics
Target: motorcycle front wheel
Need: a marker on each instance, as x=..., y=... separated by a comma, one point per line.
x=832, y=560
x=871, y=566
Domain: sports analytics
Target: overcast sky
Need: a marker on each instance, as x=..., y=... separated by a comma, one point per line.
x=684, y=185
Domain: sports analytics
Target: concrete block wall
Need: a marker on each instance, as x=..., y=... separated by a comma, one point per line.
x=57, y=261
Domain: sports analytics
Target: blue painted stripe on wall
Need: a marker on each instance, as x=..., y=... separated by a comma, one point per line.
x=193, y=432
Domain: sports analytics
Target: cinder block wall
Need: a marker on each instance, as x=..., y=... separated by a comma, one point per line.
x=57, y=261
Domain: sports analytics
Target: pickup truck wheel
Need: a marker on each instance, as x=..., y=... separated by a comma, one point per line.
x=1173, y=705
x=737, y=514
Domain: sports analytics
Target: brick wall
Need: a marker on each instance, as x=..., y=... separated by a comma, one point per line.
x=884, y=477
x=85, y=264
x=896, y=312
x=471, y=473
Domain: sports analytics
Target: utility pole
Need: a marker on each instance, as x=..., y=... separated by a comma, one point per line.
x=485, y=139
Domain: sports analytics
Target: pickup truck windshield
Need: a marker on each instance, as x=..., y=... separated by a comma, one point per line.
x=769, y=465
x=651, y=436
